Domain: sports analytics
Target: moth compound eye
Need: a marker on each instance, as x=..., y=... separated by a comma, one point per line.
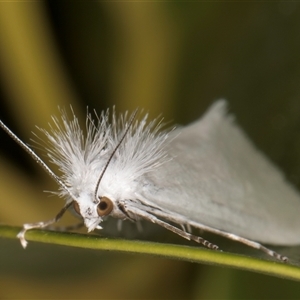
x=76, y=207
x=104, y=207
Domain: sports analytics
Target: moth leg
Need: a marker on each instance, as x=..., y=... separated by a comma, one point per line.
x=240, y=239
x=186, y=227
x=67, y=228
x=119, y=225
x=139, y=226
x=184, y=234
x=255, y=245
x=26, y=227
x=231, y=236
x=149, y=217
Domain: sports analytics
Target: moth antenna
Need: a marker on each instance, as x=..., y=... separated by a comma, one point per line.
x=35, y=157
x=115, y=150
x=26, y=227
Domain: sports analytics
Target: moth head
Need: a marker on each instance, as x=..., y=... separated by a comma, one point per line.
x=93, y=213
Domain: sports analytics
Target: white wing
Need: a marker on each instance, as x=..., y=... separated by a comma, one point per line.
x=219, y=179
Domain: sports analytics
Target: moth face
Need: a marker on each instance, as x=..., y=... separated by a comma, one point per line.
x=93, y=212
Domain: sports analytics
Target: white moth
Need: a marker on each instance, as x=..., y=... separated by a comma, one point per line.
x=206, y=175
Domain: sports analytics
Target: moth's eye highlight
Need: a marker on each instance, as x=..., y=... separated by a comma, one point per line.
x=104, y=207
x=76, y=207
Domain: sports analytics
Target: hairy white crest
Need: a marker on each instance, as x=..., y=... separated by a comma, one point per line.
x=82, y=155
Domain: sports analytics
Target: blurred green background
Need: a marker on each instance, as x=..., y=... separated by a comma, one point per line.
x=170, y=58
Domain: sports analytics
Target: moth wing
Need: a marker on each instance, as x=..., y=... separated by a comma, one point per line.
x=217, y=178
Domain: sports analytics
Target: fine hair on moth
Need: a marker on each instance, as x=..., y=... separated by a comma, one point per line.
x=206, y=176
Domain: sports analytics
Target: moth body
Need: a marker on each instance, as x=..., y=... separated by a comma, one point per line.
x=207, y=175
